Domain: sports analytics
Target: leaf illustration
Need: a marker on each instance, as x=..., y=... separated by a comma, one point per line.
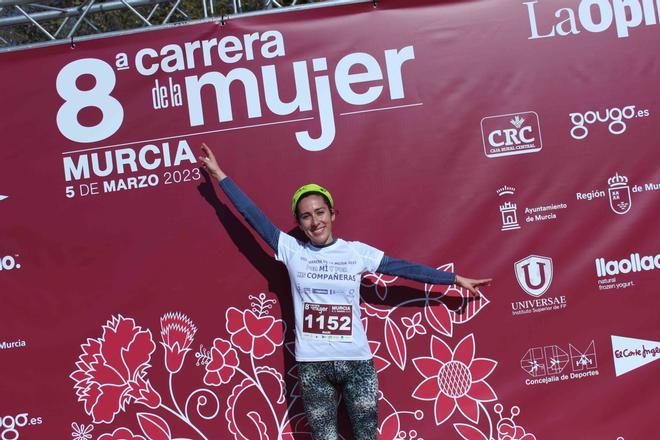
x=463, y=305
x=277, y=376
x=469, y=432
x=380, y=363
x=154, y=427
x=261, y=426
x=438, y=317
x=396, y=343
x=390, y=427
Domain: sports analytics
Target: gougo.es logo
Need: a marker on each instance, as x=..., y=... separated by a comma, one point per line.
x=614, y=117
x=10, y=425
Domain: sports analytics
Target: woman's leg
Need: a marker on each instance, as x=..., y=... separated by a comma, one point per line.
x=319, y=395
x=360, y=390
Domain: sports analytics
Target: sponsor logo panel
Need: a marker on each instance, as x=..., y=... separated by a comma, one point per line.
x=631, y=353
x=552, y=363
x=593, y=16
x=615, y=119
x=510, y=134
x=11, y=426
x=533, y=214
x=534, y=274
x=609, y=272
x=619, y=193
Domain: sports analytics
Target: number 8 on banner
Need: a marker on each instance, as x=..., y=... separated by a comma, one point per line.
x=98, y=96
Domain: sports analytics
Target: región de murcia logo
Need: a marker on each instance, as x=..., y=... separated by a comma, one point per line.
x=619, y=193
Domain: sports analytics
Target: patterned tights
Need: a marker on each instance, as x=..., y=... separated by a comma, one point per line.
x=359, y=385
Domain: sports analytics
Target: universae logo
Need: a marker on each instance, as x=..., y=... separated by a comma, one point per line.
x=510, y=134
x=534, y=274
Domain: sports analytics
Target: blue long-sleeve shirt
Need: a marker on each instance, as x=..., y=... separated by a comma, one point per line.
x=270, y=233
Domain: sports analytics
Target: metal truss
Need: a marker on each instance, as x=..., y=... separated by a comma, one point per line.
x=29, y=22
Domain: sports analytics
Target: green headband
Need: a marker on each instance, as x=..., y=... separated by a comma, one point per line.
x=306, y=189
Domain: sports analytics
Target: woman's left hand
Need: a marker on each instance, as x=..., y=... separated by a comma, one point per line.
x=472, y=285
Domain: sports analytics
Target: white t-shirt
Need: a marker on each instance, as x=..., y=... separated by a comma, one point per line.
x=325, y=283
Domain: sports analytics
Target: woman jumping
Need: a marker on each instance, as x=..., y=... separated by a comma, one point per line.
x=325, y=272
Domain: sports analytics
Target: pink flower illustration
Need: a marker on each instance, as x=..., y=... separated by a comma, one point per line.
x=111, y=371
x=177, y=332
x=258, y=334
x=224, y=361
x=121, y=434
x=454, y=379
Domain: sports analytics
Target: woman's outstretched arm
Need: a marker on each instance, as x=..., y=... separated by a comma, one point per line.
x=254, y=216
x=426, y=274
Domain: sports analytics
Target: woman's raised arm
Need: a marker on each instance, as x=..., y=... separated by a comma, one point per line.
x=254, y=216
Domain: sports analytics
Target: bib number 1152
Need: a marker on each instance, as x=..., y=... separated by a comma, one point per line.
x=330, y=322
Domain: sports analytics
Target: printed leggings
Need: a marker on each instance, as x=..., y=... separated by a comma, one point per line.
x=359, y=385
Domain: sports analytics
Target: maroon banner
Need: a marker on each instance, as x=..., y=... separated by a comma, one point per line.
x=513, y=140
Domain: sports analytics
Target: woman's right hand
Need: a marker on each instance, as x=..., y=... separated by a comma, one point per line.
x=210, y=164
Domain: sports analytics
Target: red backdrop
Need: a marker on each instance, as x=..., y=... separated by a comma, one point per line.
x=505, y=139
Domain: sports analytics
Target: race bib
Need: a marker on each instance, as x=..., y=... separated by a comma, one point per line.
x=328, y=322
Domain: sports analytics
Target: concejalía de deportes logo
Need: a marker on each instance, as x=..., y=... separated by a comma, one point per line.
x=549, y=363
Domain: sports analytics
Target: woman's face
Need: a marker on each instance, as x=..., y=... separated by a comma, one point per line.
x=315, y=219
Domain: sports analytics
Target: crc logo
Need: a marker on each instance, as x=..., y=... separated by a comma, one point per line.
x=8, y=262
x=534, y=274
x=9, y=425
x=615, y=118
x=514, y=133
x=552, y=359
